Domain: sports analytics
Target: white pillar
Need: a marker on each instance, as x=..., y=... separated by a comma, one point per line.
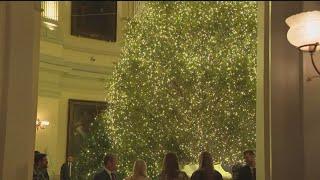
x=19, y=59
x=262, y=115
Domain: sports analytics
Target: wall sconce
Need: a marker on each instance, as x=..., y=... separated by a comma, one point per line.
x=42, y=124
x=304, y=33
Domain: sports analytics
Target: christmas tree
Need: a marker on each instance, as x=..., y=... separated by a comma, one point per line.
x=185, y=83
x=96, y=145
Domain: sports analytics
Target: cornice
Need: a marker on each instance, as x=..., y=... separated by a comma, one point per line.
x=48, y=62
x=57, y=76
x=110, y=50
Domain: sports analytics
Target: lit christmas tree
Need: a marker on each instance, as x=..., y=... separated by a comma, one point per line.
x=185, y=83
x=96, y=145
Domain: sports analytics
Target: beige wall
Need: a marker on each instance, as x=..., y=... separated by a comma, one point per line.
x=48, y=140
x=285, y=97
x=311, y=125
x=288, y=144
x=280, y=150
x=53, y=139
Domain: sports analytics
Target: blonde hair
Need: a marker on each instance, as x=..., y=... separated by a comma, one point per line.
x=140, y=168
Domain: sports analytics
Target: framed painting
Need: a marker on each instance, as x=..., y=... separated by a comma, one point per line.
x=80, y=115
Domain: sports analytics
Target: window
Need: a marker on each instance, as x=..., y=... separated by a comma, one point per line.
x=50, y=15
x=94, y=19
x=50, y=10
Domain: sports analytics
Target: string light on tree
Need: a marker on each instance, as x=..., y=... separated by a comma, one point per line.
x=185, y=83
x=95, y=146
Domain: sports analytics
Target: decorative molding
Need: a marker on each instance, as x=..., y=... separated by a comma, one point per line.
x=59, y=64
x=53, y=85
x=108, y=49
x=57, y=76
x=63, y=67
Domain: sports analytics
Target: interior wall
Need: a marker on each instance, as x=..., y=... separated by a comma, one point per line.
x=48, y=140
x=294, y=102
x=285, y=73
x=311, y=104
x=53, y=139
x=68, y=72
x=280, y=149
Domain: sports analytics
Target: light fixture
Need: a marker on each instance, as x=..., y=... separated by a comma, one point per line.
x=304, y=33
x=42, y=124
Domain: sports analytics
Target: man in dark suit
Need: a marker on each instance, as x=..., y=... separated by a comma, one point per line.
x=248, y=172
x=108, y=171
x=67, y=169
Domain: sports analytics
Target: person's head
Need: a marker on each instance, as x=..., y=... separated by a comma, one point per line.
x=249, y=157
x=140, y=168
x=35, y=158
x=171, y=165
x=205, y=161
x=69, y=159
x=41, y=160
x=110, y=162
x=36, y=152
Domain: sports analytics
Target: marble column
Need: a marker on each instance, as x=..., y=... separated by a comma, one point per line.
x=19, y=61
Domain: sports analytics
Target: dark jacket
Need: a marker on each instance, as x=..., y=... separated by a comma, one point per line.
x=64, y=172
x=181, y=176
x=102, y=175
x=204, y=175
x=40, y=174
x=245, y=173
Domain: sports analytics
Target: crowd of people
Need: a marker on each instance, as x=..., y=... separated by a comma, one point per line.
x=170, y=169
x=40, y=171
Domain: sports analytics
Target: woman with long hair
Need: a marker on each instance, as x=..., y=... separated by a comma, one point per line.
x=206, y=170
x=139, y=171
x=170, y=169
